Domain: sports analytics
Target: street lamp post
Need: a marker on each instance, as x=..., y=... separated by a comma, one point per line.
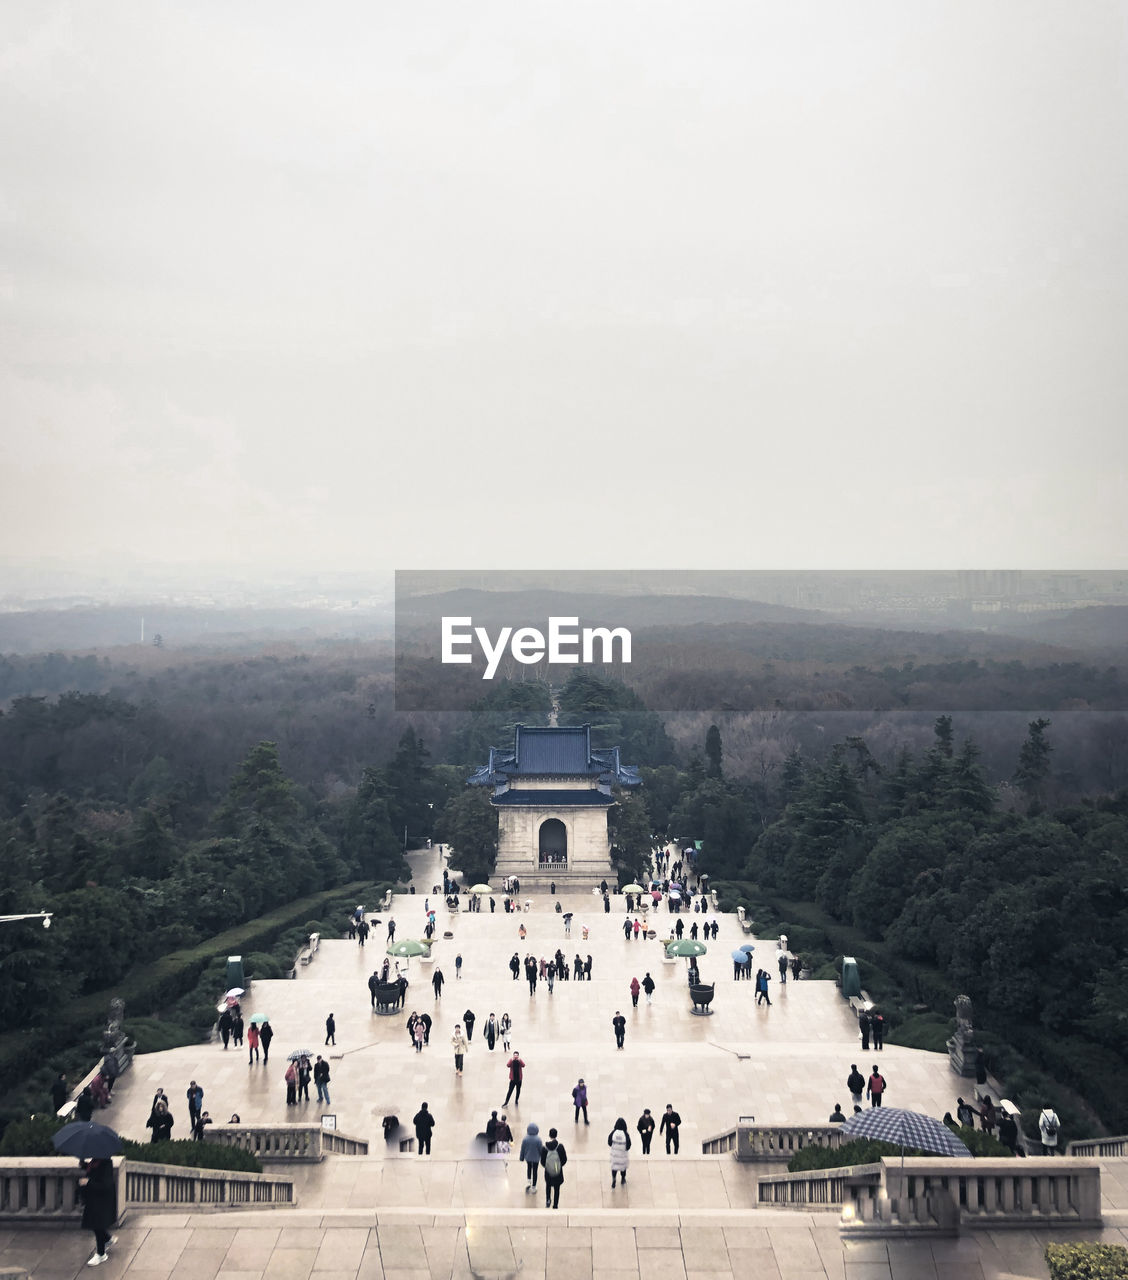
x=45, y=916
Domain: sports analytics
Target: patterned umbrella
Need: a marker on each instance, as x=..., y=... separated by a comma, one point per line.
x=908, y=1129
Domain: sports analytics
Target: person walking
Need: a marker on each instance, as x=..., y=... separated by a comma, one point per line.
x=491, y=1032
x=460, y=1044
x=671, y=1123
x=580, y=1100
x=237, y=1028
x=391, y=932
x=648, y=987
x=856, y=1083
x=1049, y=1129
x=503, y=1140
x=59, y=1092
x=458, y=967
x=321, y=1079
x=424, y=1123
x=515, y=966
x=417, y=1034
x=864, y=1025
x=877, y=1029
x=98, y=1189
x=619, y=1140
x=516, y=1077
x=491, y=1133
x=224, y=1024
x=291, y=1077
x=620, y=1025
x=645, y=1129
x=875, y=1087
x=373, y=983
x=195, y=1097
x=437, y=983
x=330, y=1030
x=532, y=1148
x=635, y=989
x=553, y=1160
x=468, y=1021
x=266, y=1034
x=305, y=1073
x=506, y=1026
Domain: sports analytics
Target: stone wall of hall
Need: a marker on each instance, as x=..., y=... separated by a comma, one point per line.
x=518, y=843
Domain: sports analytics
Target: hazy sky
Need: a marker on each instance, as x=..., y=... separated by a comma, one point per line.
x=573, y=285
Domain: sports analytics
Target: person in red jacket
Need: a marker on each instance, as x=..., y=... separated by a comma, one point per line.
x=875, y=1087
x=516, y=1076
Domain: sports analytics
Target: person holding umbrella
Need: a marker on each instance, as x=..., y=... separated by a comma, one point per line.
x=98, y=1187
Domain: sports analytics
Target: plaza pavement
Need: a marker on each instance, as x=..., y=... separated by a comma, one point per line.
x=459, y=1213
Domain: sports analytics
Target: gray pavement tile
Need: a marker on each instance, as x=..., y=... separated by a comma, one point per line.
x=613, y=1248
x=657, y=1237
x=197, y=1264
x=565, y=1263
x=662, y=1264
x=758, y=1262
x=868, y=1271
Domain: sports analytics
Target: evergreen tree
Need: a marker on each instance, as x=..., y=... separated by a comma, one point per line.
x=713, y=752
x=1034, y=761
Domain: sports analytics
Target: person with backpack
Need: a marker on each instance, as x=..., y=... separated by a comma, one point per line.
x=553, y=1160
x=532, y=1148
x=875, y=1087
x=1049, y=1126
x=619, y=1140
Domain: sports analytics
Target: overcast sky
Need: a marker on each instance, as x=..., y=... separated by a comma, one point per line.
x=575, y=285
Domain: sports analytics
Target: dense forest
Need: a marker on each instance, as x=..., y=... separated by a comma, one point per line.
x=186, y=796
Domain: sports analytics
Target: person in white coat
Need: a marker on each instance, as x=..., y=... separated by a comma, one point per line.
x=619, y=1140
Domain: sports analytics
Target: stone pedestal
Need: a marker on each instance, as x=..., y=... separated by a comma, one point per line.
x=961, y=1055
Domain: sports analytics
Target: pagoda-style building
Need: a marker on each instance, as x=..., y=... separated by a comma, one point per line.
x=552, y=793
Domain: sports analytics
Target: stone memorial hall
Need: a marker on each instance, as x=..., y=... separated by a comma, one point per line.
x=552, y=793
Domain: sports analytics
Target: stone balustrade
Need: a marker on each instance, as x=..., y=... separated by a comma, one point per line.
x=780, y=1142
x=1099, y=1148
x=45, y=1188
x=301, y=1142
x=167, y=1186
x=826, y=1188
x=928, y=1195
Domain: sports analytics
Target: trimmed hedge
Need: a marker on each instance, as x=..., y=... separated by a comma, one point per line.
x=71, y=1037
x=32, y=1137
x=1087, y=1261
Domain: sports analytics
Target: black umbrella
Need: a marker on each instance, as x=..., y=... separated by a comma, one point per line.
x=87, y=1141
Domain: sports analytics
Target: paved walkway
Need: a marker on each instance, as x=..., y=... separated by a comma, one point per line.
x=457, y=1213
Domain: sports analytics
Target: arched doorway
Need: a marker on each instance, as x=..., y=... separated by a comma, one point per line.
x=553, y=843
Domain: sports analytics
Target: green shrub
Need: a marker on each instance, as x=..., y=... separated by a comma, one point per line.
x=192, y=1155
x=261, y=966
x=981, y=1144
x=154, y=1035
x=919, y=1031
x=1087, y=1261
x=859, y=1151
x=32, y=1136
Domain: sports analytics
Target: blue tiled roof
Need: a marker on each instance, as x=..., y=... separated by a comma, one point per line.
x=538, y=799
x=562, y=752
